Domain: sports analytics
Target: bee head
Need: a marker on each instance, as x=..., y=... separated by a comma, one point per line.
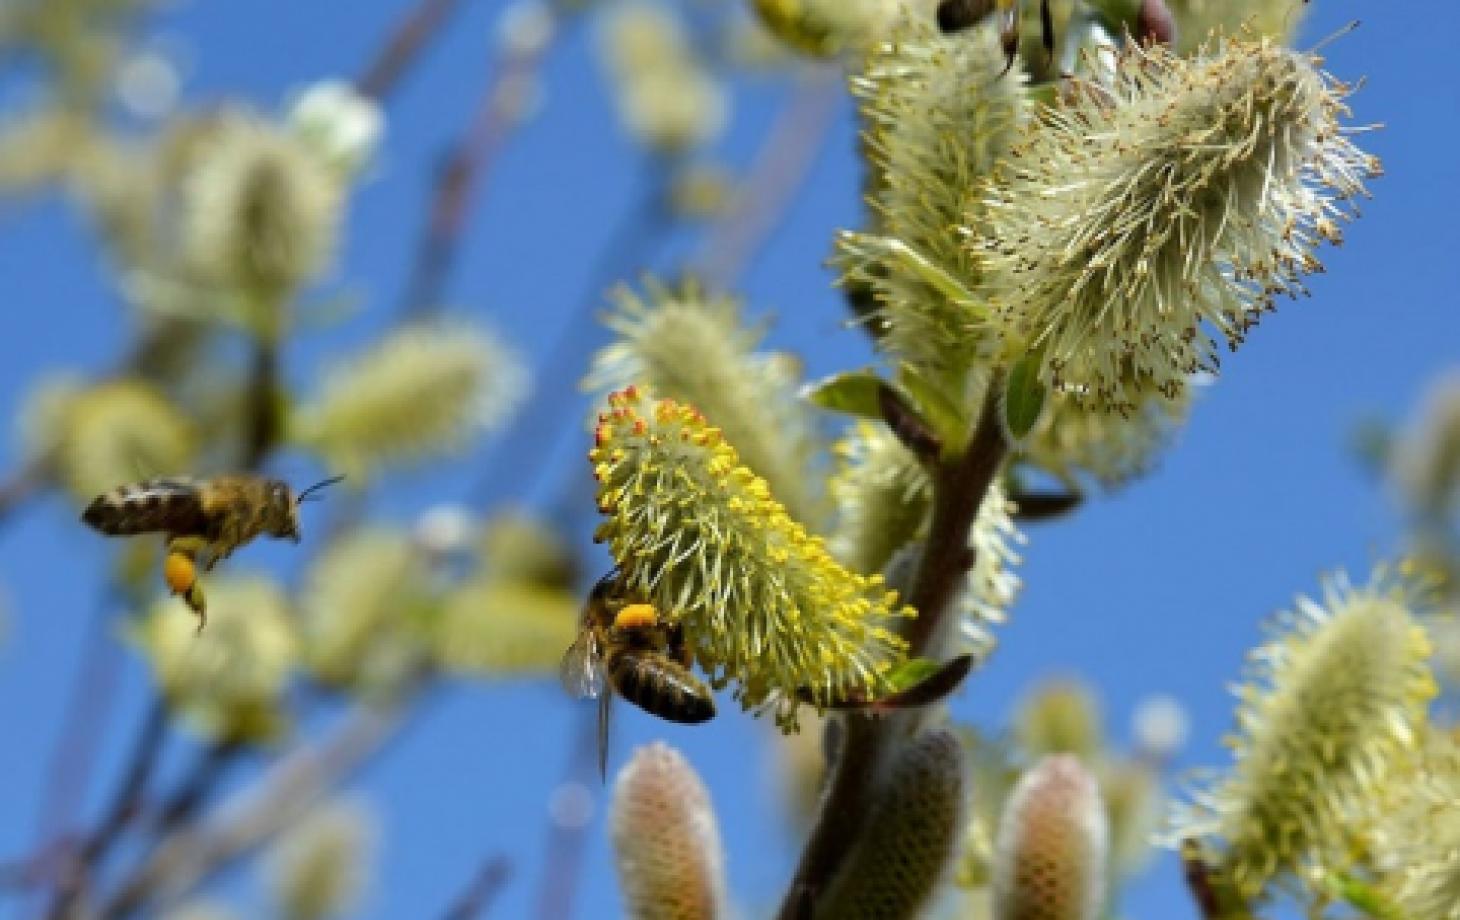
x=283, y=507
x=282, y=512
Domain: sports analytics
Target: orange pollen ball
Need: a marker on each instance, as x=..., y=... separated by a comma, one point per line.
x=179, y=572
x=636, y=616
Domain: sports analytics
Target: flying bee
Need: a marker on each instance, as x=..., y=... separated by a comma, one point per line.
x=202, y=520
x=626, y=648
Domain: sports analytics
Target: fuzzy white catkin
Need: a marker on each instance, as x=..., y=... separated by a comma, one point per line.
x=665, y=838
x=1138, y=222
x=1050, y=857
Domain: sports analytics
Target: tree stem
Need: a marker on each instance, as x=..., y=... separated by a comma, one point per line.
x=959, y=486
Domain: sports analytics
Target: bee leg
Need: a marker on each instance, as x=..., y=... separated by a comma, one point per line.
x=676, y=649
x=216, y=556
x=605, y=700
x=180, y=571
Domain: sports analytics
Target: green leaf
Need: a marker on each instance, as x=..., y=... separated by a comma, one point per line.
x=912, y=672
x=946, y=419
x=851, y=392
x=1024, y=396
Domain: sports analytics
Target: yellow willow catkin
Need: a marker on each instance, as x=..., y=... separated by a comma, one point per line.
x=666, y=842
x=883, y=495
x=689, y=345
x=1138, y=220
x=1049, y=861
x=909, y=837
x=761, y=600
x=1336, y=703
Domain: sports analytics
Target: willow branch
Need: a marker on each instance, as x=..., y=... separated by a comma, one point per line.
x=464, y=167
x=126, y=801
x=188, y=857
x=402, y=48
x=795, y=141
x=959, y=487
x=482, y=891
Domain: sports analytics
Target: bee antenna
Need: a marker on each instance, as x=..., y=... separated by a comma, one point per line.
x=323, y=483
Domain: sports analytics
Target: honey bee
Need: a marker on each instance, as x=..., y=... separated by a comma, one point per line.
x=625, y=648
x=202, y=520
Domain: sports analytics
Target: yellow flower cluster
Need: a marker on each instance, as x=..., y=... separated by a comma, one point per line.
x=761, y=601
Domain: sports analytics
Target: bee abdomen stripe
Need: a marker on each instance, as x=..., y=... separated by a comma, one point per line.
x=157, y=505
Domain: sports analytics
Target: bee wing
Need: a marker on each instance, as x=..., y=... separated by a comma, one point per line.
x=581, y=670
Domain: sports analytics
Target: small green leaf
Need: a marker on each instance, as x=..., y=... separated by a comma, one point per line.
x=946, y=419
x=912, y=672
x=852, y=393
x=1024, y=395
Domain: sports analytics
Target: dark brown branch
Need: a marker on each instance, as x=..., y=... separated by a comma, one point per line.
x=483, y=890
x=1199, y=881
x=959, y=487
x=402, y=49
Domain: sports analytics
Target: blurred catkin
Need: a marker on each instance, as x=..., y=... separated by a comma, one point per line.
x=1425, y=462
x=1336, y=702
x=359, y=619
x=261, y=210
x=821, y=28
x=1061, y=717
x=1191, y=195
x=761, y=600
x=417, y=393
x=1050, y=858
x=319, y=867
x=106, y=435
x=517, y=548
x=342, y=127
x=1074, y=441
x=228, y=681
x=492, y=627
x=692, y=346
x=667, y=100
x=666, y=840
x=901, y=854
x=1196, y=19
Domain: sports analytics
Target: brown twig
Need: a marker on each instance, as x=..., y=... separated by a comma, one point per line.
x=189, y=856
x=565, y=845
x=464, y=167
x=959, y=487
x=536, y=427
x=483, y=890
x=793, y=145
x=125, y=803
x=403, y=47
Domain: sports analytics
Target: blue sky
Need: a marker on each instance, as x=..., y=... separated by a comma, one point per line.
x=1159, y=589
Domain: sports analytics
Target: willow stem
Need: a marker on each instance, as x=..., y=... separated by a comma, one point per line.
x=959, y=486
